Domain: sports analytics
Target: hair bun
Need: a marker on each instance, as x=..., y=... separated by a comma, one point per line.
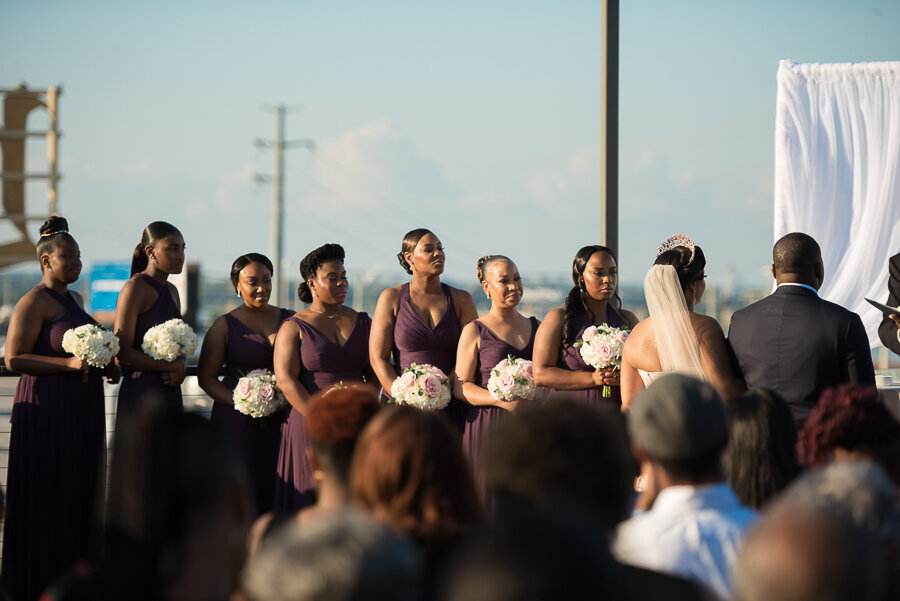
x=54, y=225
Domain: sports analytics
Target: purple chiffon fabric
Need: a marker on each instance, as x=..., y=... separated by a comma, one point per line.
x=139, y=385
x=570, y=358
x=480, y=420
x=415, y=342
x=322, y=365
x=56, y=462
x=257, y=439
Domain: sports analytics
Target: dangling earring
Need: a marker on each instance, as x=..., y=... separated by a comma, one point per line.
x=238, y=292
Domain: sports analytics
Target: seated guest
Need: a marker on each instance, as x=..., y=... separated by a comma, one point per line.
x=344, y=557
x=850, y=422
x=696, y=524
x=794, y=342
x=889, y=330
x=830, y=536
x=572, y=460
x=759, y=460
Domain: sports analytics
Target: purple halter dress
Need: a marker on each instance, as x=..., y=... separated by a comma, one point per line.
x=570, y=358
x=139, y=385
x=56, y=460
x=415, y=342
x=257, y=439
x=322, y=365
x=479, y=420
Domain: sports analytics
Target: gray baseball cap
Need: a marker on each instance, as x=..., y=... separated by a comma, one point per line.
x=678, y=417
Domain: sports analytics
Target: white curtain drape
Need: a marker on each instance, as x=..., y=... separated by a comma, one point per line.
x=837, y=173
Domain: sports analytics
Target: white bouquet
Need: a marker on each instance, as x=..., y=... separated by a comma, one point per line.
x=170, y=340
x=255, y=394
x=422, y=386
x=92, y=344
x=601, y=347
x=513, y=378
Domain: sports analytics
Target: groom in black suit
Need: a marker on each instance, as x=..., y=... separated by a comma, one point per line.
x=794, y=342
x=888, y=330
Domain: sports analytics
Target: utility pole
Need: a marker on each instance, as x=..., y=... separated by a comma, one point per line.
x=277, y=180
x=609, y=109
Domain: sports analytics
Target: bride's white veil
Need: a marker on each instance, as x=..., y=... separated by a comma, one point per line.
x=676, y=341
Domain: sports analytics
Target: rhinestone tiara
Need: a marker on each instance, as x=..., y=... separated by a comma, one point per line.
x=674, y=242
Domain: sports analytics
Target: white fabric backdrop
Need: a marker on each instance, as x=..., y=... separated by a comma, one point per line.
x=837, y=173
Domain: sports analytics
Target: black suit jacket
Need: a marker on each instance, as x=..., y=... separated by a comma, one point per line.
x=797, y=344
x=887, y=331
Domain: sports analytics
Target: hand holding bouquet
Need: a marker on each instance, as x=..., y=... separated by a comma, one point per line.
x=255, y=394
x=601, y=348
x=170, y=340
x=92, y=344
x=423, y=386
x=513, y=378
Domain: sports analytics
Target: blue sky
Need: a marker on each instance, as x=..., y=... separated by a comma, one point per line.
x=479, y=120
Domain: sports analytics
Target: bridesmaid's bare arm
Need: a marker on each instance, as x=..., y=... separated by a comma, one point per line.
x=466, y=364
x=212, y=356
x=547, y=342
x=465, y=306
x=381, y=337
x=287, y=366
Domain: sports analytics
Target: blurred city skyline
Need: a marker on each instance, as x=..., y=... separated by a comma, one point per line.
x=477, y=120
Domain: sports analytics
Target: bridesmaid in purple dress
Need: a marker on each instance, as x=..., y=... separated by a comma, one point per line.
x=420, y=322
x=242, y=340
x=557, y=363
x=483, y=344
x=316, y=348
x=58, y=434
x=146, y=300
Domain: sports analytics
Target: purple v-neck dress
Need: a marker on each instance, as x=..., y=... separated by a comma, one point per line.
x=322, y=364
x=479, y=420
x=139, y=385
x=56, y=460
x=257, y=439
x=570, y=358
x=415, y=342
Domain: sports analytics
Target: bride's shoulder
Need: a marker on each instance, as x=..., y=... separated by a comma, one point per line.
x=706, y=325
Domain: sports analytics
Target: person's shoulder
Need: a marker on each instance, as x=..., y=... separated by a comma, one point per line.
x=390, y=295
x=460, y=295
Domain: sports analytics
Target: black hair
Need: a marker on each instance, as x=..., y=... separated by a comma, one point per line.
x=245, y=260
x=311, y=263
x=54, y=231
x=796, y=253
x=153, y=233
x=486, y=260
x=409, y=244
x=759, y=460
x=706, y=465
x=575, y=305
x=689, y=270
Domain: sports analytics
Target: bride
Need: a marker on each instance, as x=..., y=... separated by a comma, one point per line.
x=674, y=338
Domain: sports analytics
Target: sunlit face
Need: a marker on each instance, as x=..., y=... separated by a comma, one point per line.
x=63, y=263
x=255, y=285
x=168, y=253
x=502, y=283
x=600, y=276
x=428, y=256
x=330, y=284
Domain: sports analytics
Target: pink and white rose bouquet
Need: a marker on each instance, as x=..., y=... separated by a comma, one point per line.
x=422, y=386
x=513, y=378
x=601, y=348
x=255, y=394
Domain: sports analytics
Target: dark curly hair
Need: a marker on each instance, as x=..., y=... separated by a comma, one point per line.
x=759, y=460
x=53, y=232
x=311, y=263
x=852, y=418
x=688, y=270
x=575, y=305
x=409, y=244
x=245, y=260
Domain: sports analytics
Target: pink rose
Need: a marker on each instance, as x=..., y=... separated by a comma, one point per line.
x=507, y=382
x=266, y=392
x=257, y=372
x=589, y=333
x=528, y=372
x=503, y=364
x=243, y=388
x=622, y=336
x=606, y=353
x=408, y=381
x=437, y=371
x=431, y=385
